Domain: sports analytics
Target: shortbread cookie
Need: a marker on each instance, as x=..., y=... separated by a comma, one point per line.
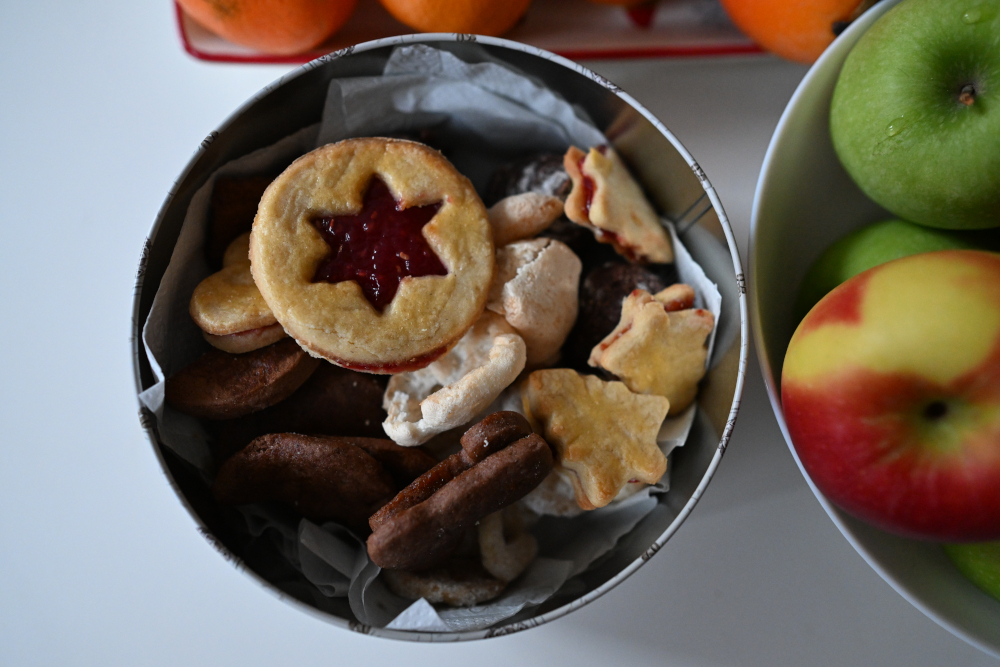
x=503, y=556
x=452, y=390
x=603, y=434
x=522, y=216
x=374, y=253
x=601, y=294
x=536, y=291
x=659, y=346
x=228, y=307
x=607, y=199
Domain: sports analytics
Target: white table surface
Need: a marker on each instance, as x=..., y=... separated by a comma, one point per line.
x=99, y=563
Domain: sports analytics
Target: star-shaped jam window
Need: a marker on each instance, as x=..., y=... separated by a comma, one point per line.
x=378, y=246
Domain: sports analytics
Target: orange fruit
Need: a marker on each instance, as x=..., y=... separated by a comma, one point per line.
x=481, y=17
x=799, y=30
x=280, y=27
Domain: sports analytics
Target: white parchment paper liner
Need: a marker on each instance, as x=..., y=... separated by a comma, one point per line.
x=482, y=115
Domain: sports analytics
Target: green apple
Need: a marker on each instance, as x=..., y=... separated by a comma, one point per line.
x=879, y=243
x=915, y=116
x=979, y=562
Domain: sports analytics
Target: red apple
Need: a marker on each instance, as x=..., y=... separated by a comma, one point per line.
x=891, y=392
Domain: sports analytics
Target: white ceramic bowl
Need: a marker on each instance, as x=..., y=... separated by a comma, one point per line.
x=673, y=179
x=804, y=201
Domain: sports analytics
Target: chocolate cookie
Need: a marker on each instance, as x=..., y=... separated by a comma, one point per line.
x=601, y=294
x=542, y=173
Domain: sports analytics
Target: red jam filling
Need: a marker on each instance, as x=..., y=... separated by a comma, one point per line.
x=627, y=251
x=378, y=246
x=416, y=363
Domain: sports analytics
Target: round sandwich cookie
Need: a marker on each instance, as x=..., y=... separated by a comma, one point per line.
x=374, y=253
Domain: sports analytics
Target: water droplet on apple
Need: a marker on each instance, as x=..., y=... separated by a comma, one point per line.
x=972, y=16
x=894, y=128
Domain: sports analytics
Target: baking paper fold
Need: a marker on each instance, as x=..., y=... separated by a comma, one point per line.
x=481, y=116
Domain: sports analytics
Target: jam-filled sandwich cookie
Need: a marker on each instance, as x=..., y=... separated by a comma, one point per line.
x=607, y=199
x=374, y=253
x=228, y=307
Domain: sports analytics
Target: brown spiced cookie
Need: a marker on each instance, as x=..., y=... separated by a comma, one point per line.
x=219, y=385
x=374, y=253
x=326, y=478
x=457, y=583
x=490, y=435
x=333, y=401
x=423, y=534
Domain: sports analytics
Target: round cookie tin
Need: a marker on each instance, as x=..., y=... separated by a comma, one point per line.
x=678, y=188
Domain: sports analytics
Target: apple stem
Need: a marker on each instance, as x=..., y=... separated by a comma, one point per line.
x=967, y=95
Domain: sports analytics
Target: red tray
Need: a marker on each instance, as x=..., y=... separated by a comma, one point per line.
x=575, y=29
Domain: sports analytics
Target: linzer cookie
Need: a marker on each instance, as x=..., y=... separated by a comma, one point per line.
x=607, y=199
x=375, y=253
x=601, y=294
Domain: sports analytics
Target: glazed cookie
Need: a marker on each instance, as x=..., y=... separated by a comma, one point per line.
x=452, y=390
x=536, y=291
x=607, y=199
x=373, y=253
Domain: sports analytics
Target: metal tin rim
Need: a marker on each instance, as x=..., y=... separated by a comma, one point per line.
x=504, y=629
